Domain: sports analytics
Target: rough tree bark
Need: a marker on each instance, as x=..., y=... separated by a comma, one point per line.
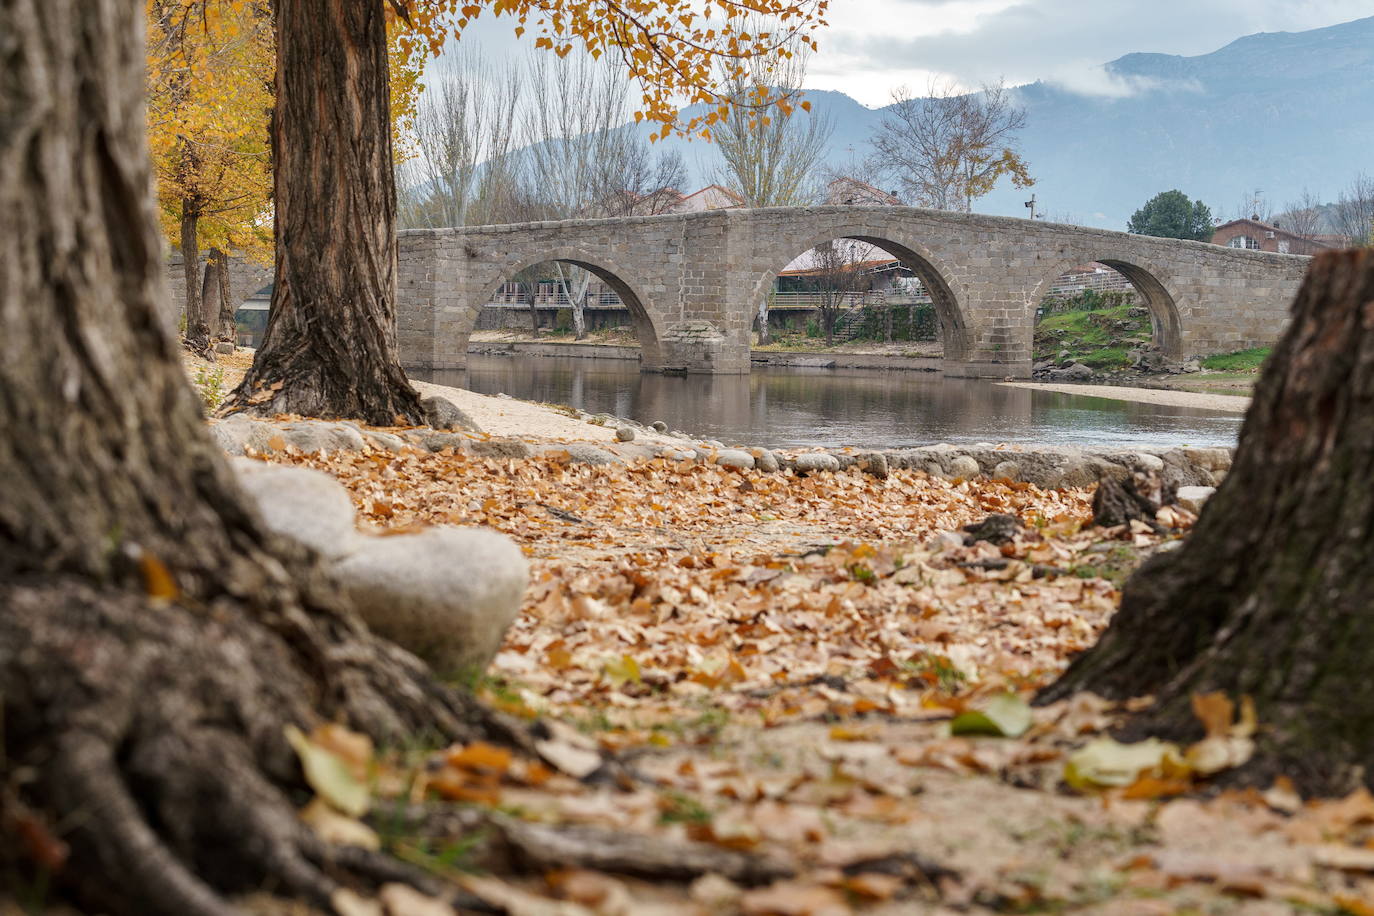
x=1271, y=595
x=197, y=333
x=154, y=638
x=215, y=295
x=329, y=349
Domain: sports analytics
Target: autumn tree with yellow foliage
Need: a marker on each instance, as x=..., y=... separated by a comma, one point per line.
x=330, y=344
x=158, y=644
x=209, y=69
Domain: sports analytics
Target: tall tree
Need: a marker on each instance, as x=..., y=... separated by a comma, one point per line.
x=330, y=344
x=838, y=272
x=329, y=348
x=155, y=638
x=465, y=169
x=1171, y=215
x=579, y=158
x=769, y=154
x=209, y=80
x=1269, y=596
x=949, y=148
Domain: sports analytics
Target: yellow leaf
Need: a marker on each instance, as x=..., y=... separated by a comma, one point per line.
x=157, y=579
x=329, y=775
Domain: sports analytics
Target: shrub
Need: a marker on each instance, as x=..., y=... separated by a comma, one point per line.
x=210, y=384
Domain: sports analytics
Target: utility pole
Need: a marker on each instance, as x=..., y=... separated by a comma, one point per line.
x=1031, y=204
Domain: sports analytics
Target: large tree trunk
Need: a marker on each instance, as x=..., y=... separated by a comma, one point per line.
x=197, y=327
x=329, y=349
x=215, y=295
x=1271, y=595
x=155, y=640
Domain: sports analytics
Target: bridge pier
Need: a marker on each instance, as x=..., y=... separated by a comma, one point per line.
x=974, y=368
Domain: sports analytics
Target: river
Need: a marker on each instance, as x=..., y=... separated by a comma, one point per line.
x=777, y=407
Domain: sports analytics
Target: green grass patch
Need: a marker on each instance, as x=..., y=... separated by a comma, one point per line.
x=1107, y=358
x=1100, y=338
x=1240, y=361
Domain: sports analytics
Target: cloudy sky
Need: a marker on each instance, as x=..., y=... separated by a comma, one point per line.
x=873, y=46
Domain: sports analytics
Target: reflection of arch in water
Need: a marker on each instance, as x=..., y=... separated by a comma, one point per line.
x=935, y=277
x=604, y=269
x=1166, y=326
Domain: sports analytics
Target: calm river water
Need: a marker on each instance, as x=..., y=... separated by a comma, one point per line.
x=833, y=407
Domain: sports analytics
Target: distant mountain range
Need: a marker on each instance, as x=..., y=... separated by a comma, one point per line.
x=1274, y=112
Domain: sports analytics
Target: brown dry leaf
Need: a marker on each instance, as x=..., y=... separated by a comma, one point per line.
x=794, y=899
x=873, y=885
x=1345, y=858
x=517, y=902
x=480, y=757
x=158, y=583
x=597, y=891
x=402, y=900
x=338, y=829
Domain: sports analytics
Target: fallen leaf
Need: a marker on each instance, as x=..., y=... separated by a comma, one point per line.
x=338, y=829
x=1004, y=714
x=329, y=775
x=1105, y=763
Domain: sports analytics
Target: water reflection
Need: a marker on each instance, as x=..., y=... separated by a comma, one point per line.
x=792, y=407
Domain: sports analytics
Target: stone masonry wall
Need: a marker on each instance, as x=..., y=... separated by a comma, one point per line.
x=245, y=279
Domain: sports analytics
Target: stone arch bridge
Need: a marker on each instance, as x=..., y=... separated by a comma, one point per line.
x=694, y=282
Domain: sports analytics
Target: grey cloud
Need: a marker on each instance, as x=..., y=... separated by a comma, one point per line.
x=1067, y=41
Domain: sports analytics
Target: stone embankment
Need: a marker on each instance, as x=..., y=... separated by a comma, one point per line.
x=1044, y=466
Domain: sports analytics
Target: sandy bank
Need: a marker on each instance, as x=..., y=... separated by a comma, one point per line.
x=526, y=419
x=1227, y=403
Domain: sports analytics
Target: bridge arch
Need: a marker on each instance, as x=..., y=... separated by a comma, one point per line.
x=646, y=323
x=945, y=291
x=1165, y=322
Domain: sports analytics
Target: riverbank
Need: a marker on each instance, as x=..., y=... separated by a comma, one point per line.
x=801, y=690
x=820, y=676
x=1228, y=377
x=1169, y=397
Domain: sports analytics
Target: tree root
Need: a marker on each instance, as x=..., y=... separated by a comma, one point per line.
x=1136, y=498
x=151, y=739
x=515, y=845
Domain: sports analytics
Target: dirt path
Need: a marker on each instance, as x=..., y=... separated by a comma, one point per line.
x=1227, y=403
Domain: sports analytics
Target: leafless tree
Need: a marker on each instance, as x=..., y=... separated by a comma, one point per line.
x=770, y=157
x=1354, y=211
x=463, y=171
x=948, y=148
x=1302, y=217
x=839, y=272
x=1254, y=206
x=581, y=157
x=636, y=181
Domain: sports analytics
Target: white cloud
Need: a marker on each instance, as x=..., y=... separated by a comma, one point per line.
x=876, y=45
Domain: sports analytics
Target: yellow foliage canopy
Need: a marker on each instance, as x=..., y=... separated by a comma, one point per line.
x=210, y=70
x=677, y=50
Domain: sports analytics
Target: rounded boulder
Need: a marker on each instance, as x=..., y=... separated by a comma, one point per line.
x=446, y=594
x=309, y=507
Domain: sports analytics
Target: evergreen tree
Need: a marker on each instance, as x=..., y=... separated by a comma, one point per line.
x=1171, y=215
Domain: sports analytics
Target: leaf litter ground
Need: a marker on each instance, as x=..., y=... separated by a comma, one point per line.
x=819, y=671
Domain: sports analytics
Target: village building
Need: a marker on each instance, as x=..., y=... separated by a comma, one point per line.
x=1257, y=235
